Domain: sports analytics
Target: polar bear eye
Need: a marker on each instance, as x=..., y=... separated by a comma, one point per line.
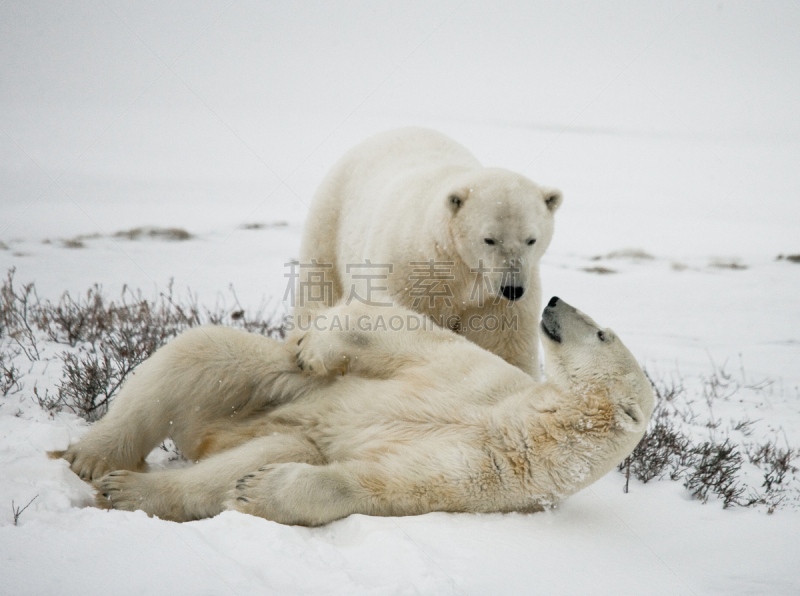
x=489, y=241
x=531, y=241
x=601, y=335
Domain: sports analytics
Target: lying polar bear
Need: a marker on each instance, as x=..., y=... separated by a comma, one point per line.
x=410, y=218
x=420, y=421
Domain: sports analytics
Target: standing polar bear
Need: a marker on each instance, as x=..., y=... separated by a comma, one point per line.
x=420, y=421
x=410, y=218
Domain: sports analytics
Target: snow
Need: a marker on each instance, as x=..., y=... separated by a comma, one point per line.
x=671, y=128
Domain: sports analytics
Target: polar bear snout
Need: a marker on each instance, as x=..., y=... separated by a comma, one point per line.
x=512, y=292
x=550, y=323
x=563, y=323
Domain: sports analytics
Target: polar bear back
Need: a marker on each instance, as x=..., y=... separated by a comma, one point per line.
x=383, y=188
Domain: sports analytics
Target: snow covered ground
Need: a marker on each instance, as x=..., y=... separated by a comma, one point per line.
x=672, y=128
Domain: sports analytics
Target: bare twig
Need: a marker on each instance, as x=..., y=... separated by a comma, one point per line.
x=17, y=511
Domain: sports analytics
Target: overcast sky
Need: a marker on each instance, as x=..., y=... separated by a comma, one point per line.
x=138, y=101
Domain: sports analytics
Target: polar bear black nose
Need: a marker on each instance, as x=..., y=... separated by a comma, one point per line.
x=513, y=292
x=553, y=301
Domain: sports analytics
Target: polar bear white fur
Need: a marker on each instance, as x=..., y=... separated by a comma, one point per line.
x=463, y=241
x=419, y=421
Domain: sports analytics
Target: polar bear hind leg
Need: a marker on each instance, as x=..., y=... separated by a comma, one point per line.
x=200, y=491
x=208, y=377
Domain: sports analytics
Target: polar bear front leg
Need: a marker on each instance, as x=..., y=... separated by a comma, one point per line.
x=408, y=484
x=372, y=341
x=511, y=333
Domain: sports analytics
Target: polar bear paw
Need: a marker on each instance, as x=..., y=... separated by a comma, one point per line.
x=91, y=461
x=318, y=354
x=123, y=490
x=256, y=493
x=293, y=493
x=272, y=492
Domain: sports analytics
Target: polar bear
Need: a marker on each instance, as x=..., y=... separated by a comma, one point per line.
x=410, y=218
x=360, y=418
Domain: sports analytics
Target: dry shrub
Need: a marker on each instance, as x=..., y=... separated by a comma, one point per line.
x=711, y=467
x=103, y=340
x=172, y=234
x=599, y=270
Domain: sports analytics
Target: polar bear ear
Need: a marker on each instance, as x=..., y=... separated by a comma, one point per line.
x=552, y=198
x=455, y=200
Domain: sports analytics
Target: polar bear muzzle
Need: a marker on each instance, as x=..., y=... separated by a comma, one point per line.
x=550, y=325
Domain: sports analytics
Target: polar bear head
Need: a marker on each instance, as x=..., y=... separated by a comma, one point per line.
x=501, y=223
x=582, y=356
